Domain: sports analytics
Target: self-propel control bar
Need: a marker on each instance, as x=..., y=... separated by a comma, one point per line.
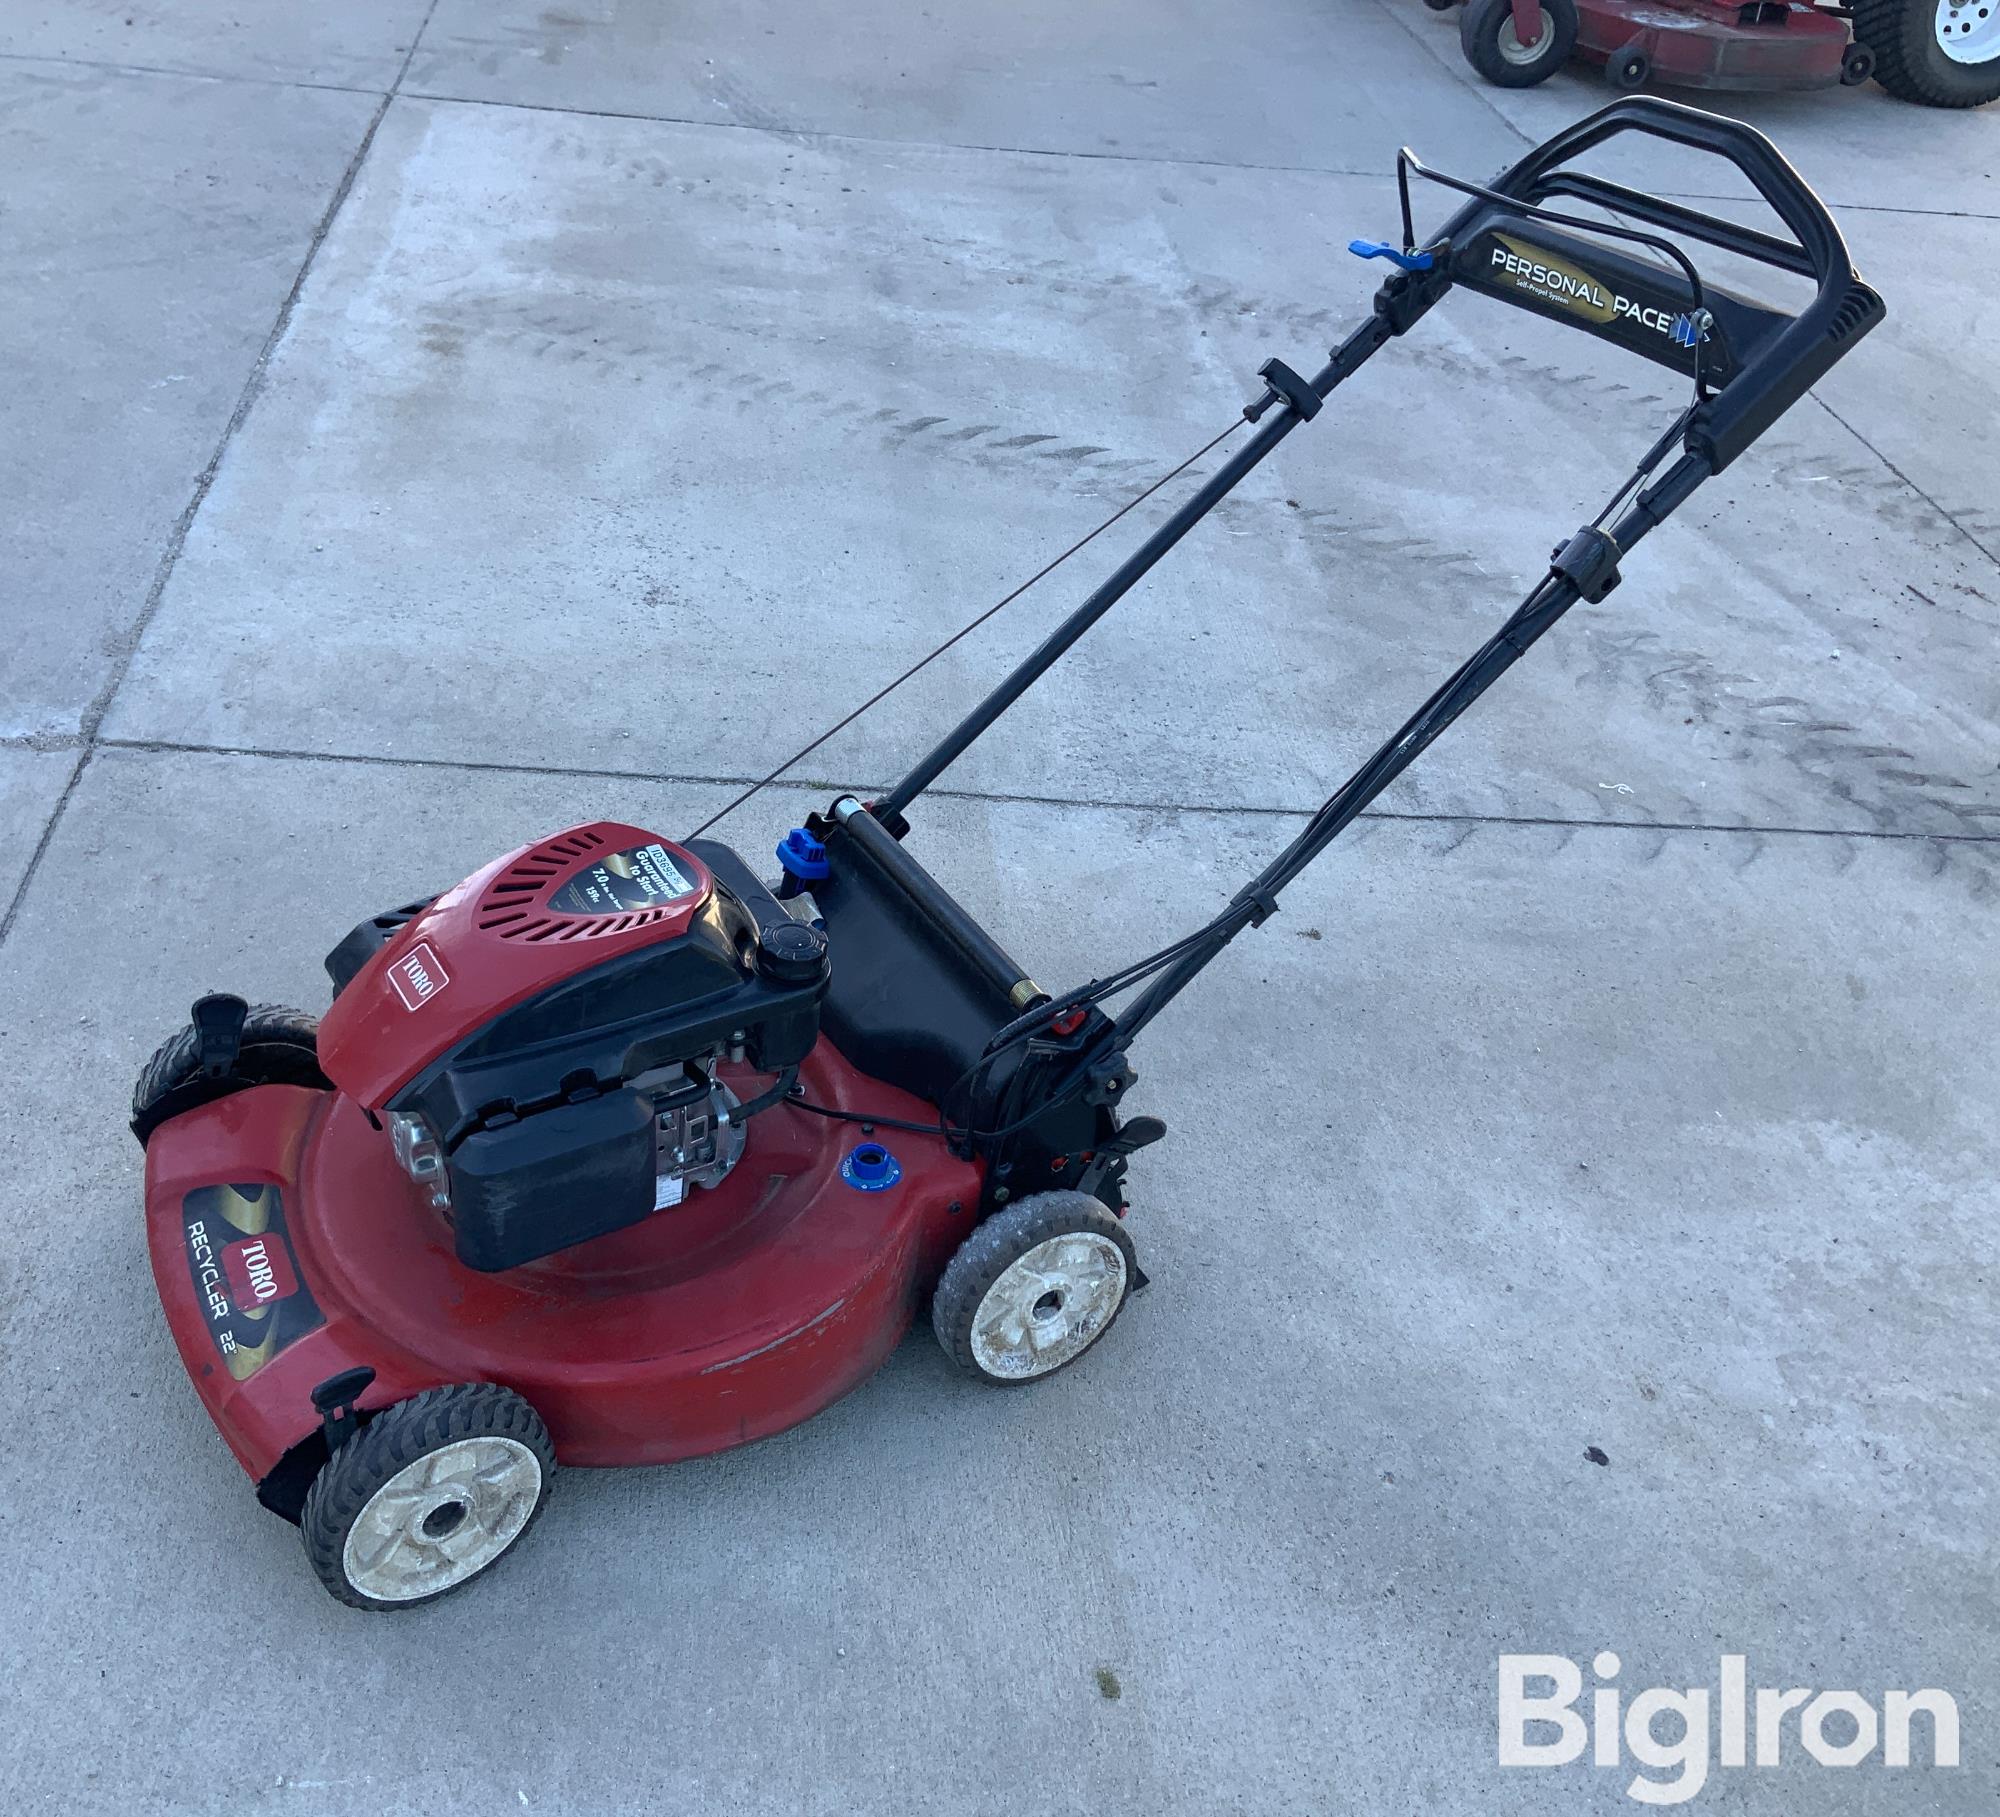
x=1749, y=363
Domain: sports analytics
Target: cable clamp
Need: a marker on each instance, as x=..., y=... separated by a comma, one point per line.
x=1263, y=903
x=1589, y=561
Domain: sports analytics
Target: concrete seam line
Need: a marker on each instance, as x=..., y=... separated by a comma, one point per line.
x=822, y=135
x=816, y=784
x=190, y=75
x=1905, y=479
x=815, y=133
x=253, y=385
x=42, y=844
x=1452, y=71
x=416, y=38
x=127, y=646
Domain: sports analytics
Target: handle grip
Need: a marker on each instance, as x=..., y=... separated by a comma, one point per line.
x=1770, y=172
x=1786, y=364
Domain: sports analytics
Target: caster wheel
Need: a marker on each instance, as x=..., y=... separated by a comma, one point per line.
x=1857, y=66
x=1034, y=1287
x=280, y=1047
x=1486, y=34
x=432, y=1492
x=1628, y=68
x=1440, y=6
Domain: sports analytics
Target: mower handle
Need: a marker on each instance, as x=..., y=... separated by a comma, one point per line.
x=1783, y=365
x=1770, y=172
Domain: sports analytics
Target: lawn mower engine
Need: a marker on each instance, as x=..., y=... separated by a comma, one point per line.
x=544, y=1044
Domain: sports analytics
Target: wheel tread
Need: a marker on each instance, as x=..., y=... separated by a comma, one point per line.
x=391, y=1441
x=175, y=1060
x=1910, y=63
x=987, y=1254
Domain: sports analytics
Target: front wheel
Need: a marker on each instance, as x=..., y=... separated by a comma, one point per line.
x=432, y=1492
x=1034, y=1287
x=1493, y=47
x=1938, y=53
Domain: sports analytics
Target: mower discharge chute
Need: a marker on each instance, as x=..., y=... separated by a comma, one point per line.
x=613, y=1154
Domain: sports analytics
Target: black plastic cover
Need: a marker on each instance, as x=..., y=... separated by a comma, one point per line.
x=541, y=1184
x=367, y=938
x=548, y=1143
x=674, y=1000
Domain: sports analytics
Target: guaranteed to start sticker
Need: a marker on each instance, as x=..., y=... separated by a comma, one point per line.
x=640, y=877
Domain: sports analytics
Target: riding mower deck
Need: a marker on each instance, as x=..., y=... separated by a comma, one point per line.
x=613, y=1154
x=1937, y=53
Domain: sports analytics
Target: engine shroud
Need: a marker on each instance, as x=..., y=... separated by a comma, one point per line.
x=538, y=1017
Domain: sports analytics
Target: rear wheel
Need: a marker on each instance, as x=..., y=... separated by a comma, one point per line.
x=1493, y=47
x=432, y=1492
x=1939, y=53
x=1034, y=1287
x=280, y=1046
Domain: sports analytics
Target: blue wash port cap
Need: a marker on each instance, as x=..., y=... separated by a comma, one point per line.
x=802, y=856
x=871, y=1168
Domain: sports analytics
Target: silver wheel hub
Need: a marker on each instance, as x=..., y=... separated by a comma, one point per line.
x=1968, y=31
x=440, y=1520
x=1048, y=1306
x=1512, y=50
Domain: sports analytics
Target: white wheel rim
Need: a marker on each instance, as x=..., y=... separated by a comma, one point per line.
x=1049, y=1306
x=1968, y=31
x=442, y=1519
x=1512, y=50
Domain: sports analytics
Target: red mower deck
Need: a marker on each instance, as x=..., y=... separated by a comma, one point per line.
x=288, y=1245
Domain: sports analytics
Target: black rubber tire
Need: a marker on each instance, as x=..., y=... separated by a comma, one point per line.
x=280, y=1047
x=1857, y=66
x=1628, y=69
x=1911, y=64
x=393, y=1440
x=1480, y=27
x=1000, y=1242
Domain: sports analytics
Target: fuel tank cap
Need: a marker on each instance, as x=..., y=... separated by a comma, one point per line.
x=790, y=952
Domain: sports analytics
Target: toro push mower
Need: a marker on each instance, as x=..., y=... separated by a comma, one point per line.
x=1939, y=53
x=613, y=1154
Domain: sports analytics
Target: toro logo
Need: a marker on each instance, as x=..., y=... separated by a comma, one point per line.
x=417, y=976
x=259, y=1272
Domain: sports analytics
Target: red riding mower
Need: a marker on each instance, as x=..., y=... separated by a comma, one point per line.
x=1940, y=53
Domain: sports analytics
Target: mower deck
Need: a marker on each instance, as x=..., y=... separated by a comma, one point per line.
x=288, y=1246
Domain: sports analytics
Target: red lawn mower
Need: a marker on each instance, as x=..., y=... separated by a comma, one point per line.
x=1941, y=53
x=616, y=1154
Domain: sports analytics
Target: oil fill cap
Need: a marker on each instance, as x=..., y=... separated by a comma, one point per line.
x=790, y=952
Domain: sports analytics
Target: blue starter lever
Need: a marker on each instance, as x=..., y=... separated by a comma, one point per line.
x=1381, y=249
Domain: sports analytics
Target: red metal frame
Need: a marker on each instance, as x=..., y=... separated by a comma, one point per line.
x=728, y=1318
x=1711, y=43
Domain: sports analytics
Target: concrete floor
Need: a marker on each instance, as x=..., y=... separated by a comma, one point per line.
x=430, y=424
